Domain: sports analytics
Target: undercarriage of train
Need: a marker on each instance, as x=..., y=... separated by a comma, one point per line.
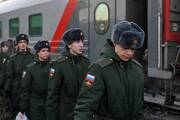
x=162, y=93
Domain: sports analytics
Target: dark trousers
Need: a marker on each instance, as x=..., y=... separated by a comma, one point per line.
x=15, y=103
x=38, y=109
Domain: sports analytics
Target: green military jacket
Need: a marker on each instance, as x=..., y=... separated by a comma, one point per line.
x=112, y=90
x=15, y=67
x=3, y=66
x=34, y=88
x=65, y=85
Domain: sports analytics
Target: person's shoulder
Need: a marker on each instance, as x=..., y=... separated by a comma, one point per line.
x=12, y=56
x=31, y=53
x=135, y=62
x=104, y=62
x=85, y=58
x=60, y=60
x=30, y=65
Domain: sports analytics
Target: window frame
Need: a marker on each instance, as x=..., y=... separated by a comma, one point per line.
x=1, y=29
x=108, y=18
x=10, y=30
x=30, y=24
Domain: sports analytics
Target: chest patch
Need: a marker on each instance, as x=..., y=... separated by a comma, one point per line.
x=23, y=74
x=4, y=60
x=51, y=73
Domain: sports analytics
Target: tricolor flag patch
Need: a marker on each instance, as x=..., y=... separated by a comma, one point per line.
x=89, y=80
x=51, y=73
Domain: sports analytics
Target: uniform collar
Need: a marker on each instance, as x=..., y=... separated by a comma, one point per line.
x=42, y=62
x=23, y=52
x=109, y=51
x=75, y=58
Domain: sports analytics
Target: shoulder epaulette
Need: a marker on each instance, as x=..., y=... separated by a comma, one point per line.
x=51, y=62
x=137, y=63
x=85, y=58
x=31, y=64
x=13, y=55
x=104, y=62
x=60, y=60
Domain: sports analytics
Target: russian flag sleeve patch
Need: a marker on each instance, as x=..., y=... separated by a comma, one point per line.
x=90, y=80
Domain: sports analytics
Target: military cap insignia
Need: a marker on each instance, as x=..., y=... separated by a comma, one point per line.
x=81, y=33
x=135, y=40
x=23, y=74
x=89, y=80
x=51, y=73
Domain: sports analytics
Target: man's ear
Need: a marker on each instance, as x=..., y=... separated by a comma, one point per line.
x=69, y=46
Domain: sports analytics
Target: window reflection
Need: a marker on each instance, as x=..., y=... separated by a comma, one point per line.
x=0, y=29
x=13, y=27
x=101, y=18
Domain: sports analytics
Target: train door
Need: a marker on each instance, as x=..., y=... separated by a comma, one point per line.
x=171, y=37
x=171, y=31
x=101, y=19
x=163, y=52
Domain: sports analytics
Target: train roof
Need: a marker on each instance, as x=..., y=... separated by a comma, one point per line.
x=11, y=5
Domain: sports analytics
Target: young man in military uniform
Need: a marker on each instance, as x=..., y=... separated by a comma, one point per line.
x=5, y=111
x=4, y=56
x=113, y=87
x=15, y=67
x=35, y=83
x=65, y=84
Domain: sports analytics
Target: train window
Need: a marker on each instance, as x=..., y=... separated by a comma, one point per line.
x=174, y=16
x=101, y=18
x=13, y=27
x=0, y=29
x=35, y=25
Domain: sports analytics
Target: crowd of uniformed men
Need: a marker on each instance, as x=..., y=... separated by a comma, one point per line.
x=71, y=88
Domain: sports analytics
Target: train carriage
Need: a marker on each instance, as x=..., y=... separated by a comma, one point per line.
x=49, y=19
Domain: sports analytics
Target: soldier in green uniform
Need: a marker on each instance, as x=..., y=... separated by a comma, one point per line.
x=4, y=56
x=66, y=83
x=35, y=83
x=113, y=87
x=5, y=107
x=15, y=67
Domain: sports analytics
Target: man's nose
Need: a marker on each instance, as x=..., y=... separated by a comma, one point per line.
x=81, y=44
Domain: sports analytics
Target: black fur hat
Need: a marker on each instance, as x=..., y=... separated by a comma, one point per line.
x=128, y=34
x=73, y=34
x=22, y=37
x=41, y=44
x=4, y=43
